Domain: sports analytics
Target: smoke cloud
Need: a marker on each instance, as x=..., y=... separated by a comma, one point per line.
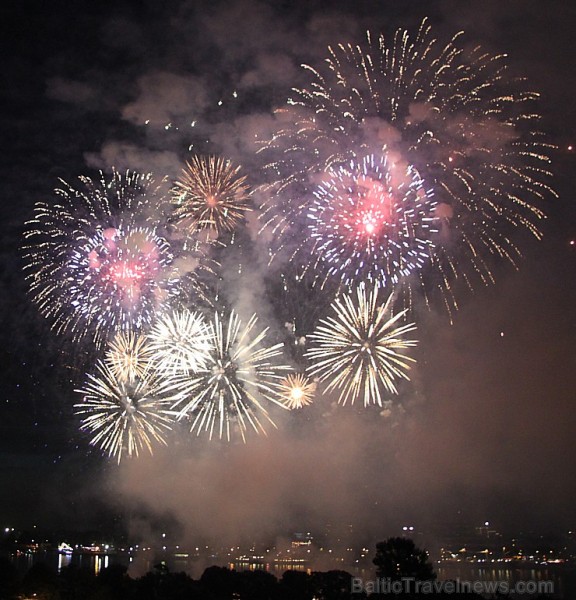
x=484, y=426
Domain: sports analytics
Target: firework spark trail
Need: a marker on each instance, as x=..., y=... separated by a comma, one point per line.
x=126, y=417
x=454, y=115
x=211, y=195
x=240, y=379
x=180, y=342
x=371, y=221
x=358, y=351
x=97, y=263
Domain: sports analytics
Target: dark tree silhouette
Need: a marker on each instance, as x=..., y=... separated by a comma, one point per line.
x=114, y=582
x=399, y=557
x=76, y=583
x=8, y=579
x=164, y=585
x=334, y=585
x=41, y=582
x=219, y=581
x=256, y=585
x=296, y=584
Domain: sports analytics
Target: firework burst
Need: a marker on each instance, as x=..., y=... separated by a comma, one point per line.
x=126, y=417
x=97, y=263
x=358, y=351
x=128, y=356
x=239, y=381
x=297, y=390
x=180, y=342
x=211, y=195
x=453, y=114
x=371, y=221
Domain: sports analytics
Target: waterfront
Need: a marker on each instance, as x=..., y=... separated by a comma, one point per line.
x=562, y=577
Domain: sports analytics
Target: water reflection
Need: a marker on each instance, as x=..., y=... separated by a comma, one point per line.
x=94, y=562
x=562, y=579
x=277, y=568
x=63, y=561
x=100, y=562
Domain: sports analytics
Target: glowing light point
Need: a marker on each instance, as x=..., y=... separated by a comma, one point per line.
x=297, y=391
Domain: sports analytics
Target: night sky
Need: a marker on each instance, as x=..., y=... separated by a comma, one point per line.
x=487, y=431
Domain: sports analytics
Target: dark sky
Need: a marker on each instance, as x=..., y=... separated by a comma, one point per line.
x=489, y=426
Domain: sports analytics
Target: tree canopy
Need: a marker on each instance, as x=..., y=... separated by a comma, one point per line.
x=399, y=557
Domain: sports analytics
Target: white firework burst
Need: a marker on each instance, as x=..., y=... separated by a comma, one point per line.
x=126, y=417
x=297, y=390
x=358, y=351
x=237, y=385
x=128, y=356
x=180, y=342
